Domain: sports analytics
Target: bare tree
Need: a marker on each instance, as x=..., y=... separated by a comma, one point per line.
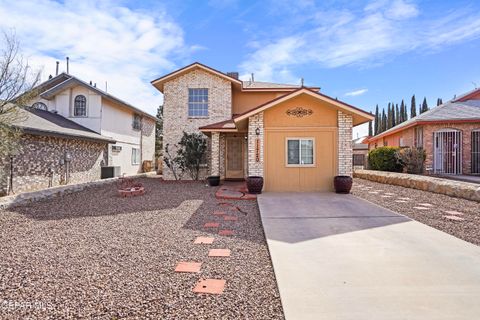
x=17, y=83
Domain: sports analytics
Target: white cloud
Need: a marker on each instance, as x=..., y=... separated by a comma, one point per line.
x=335, y=38
x=356, y=93
x=105, y=42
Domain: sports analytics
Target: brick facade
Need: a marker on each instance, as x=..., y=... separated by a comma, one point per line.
x=255, y=168
x=345, y=148
x=175, y=111
x=38, y=164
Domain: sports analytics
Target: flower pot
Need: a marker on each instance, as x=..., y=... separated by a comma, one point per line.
x=213, y=181
x=342, y=184
x=254, y=184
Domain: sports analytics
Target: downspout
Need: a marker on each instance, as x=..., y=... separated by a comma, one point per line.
x=10, y=183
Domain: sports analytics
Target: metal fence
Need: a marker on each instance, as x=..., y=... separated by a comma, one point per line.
x=476, y=151
x=447, y=152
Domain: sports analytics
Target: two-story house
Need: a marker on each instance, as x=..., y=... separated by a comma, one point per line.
x=297, y=138
x=72, y=128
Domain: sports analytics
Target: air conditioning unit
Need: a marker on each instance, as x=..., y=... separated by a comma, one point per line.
x=116, y=148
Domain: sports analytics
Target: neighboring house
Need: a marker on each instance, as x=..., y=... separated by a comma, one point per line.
x=449, y=133
x=81, y=102
x=53, y=151
x=297, y=138
x=360, y=152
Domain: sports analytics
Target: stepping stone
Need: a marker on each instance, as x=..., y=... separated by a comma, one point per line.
x=219, y=253
x=204, y=240
x=379, y=190
x=404, y=198
x=230, y=218
x=389, y=194
x=425, y=204
x=225, y=232
x=211, y=225
x=188, y=267
x=373, y=192
x=401, y=201
x=211, y=286
x=421, y=208
x=386, y=196
x=453, y=218
x=219, y=213
x=454, y=213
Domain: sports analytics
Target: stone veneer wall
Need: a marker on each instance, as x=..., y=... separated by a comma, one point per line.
x=256, y=121
x=215, y=154
x=345, y=148
x=175, y=112
x=39, y=155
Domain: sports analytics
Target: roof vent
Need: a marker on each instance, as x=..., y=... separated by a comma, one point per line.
x=233, y=74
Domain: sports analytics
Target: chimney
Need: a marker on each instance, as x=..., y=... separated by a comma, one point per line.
x=233, y=74
x=68, y=65
x=95, y=85
x=253, y=78
x=90, y=82
x=56, y=70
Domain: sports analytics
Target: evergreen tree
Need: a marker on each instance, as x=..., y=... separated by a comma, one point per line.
x=397, y=115
x=439, y=101
x=389, y=117
x=402, y=112
x=405, y=112
x=424, y=105
x=370, y=129
x=377, y=121
x=384, y=121
x=413, y=107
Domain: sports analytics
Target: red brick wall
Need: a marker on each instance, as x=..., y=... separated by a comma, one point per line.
x=393, y=140
x=466, y=130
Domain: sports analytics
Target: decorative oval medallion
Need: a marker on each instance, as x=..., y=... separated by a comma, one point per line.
x=299, y=112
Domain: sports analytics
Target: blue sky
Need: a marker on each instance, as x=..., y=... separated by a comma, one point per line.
x=363, y=52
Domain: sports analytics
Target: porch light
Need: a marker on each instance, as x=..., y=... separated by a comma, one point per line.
x=257, y=131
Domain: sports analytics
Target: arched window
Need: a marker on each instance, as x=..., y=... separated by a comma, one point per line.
x=40, y=106
x=80, y=106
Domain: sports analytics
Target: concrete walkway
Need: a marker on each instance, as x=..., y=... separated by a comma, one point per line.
x=340, y=257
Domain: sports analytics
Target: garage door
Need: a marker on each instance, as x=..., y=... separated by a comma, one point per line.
x=311, y=168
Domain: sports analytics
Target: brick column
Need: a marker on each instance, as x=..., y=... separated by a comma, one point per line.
x=215, y=155
x=255, y=162
x=345, y=149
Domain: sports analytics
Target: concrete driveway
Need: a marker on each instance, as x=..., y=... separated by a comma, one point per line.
x=341, y=257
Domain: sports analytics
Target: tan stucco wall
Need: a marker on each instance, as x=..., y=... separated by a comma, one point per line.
x=244, y=101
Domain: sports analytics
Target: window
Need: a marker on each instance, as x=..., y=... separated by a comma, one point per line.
x=135, y=156
x=40, y=106
x=137, y=122
x=198, y=103
x=300, y=152
x=80, y=106
x=419, y=137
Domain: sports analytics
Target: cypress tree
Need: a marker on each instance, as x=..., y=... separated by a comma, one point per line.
x=389, y=116
x=439, y=101
x=402, y=112
x=377, y=121
x=413, y=107
x=424, y=105
x=370, y=129
x=384, y=122
x=397, y=115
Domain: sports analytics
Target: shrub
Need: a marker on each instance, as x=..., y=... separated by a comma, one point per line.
x=191, y=153
x=412, y=159
x=384, y=159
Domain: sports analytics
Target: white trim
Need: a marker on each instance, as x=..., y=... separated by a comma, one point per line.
x=313, y=165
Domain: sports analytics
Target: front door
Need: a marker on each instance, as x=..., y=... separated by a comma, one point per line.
x=234, y=158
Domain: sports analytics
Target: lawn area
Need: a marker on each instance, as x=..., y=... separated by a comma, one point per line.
x=93, y=254
x=458, y=217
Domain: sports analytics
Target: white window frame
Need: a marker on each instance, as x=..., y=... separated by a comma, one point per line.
x=300, y=165
x=136, y=153
x=197, y=103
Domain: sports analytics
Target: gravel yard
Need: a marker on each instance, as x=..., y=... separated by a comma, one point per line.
x=455, y=216
x=94, y=255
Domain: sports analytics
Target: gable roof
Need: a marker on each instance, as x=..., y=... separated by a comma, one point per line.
x=467, y=111
x=362, y=116
x=467, y=96
x=63, y=81
x=46, y=123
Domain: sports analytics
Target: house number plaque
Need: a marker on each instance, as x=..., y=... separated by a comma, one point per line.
x=299, y=112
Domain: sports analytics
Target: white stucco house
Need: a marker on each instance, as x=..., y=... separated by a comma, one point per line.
x=84, y=103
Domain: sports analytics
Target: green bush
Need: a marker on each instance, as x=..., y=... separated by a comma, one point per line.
x=384, y=159
x=412, y=159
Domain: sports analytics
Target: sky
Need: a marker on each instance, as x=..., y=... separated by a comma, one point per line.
x=361, y=52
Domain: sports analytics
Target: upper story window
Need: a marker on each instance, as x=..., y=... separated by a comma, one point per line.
x=137, y=122
x=198, y=102
x=80, y=106
x=40, y=106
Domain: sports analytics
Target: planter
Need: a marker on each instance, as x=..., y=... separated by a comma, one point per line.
x=254, y=184
x=213, y=181
x=342, y=184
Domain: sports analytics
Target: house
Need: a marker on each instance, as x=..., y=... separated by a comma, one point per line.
x=53, y=151
x=297, y=138
x=84, y=103
x=449, y=134
x=360, y=152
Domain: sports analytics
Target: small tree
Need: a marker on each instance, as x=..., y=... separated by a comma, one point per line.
x=412, y=159
x=172, y=163
x=191, y=152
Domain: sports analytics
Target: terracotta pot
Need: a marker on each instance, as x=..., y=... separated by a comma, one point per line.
x=254, y=184
x=213, y=181
x=342, y=184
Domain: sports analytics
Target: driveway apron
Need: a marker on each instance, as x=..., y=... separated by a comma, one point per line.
x=341, y=257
